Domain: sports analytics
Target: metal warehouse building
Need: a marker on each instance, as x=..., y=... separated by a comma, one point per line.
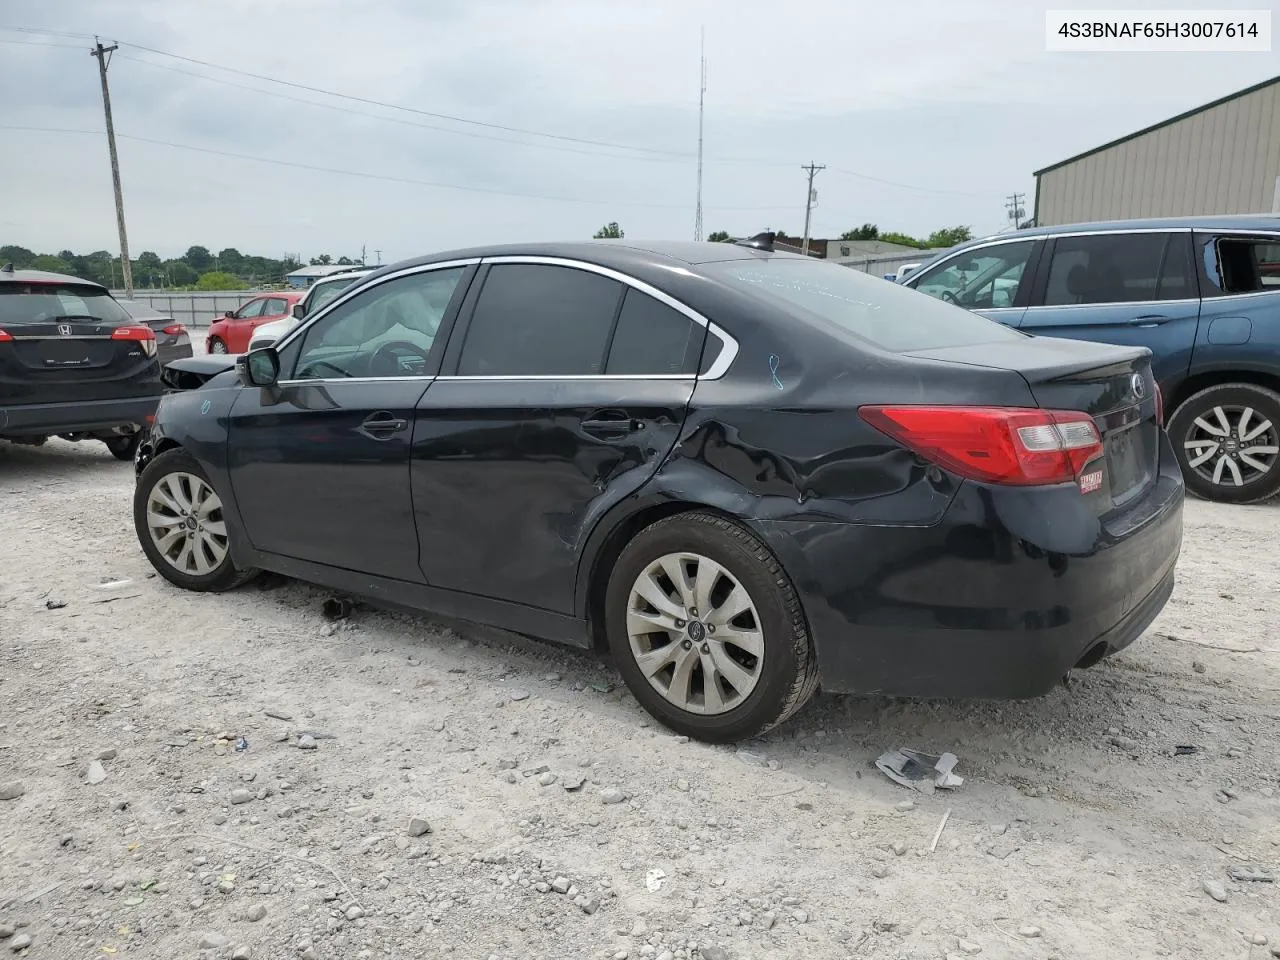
x=1223, y=157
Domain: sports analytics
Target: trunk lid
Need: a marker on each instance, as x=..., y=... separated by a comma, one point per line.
x=1113, y=385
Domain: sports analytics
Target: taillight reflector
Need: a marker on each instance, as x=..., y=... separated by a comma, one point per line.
x=142, y=334
x=5, y=337
x=1007, y=445
x=174, y=329
x=1159, y=406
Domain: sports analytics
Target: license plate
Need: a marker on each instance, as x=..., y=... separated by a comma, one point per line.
x=64, y=353
x=1123, y=462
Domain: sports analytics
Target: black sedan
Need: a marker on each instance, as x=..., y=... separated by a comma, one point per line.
x=172, y=339
x=745, y=473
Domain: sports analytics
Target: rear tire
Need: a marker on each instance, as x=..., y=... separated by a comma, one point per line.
x=217, y=345
x=730, y=671
x=123, y=448
x=1227, y=441
x=180, y=524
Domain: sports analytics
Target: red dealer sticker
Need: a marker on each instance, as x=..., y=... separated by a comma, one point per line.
x=1089, y=482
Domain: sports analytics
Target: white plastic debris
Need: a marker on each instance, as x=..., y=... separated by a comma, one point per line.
x=653, y=880
x=923, y=772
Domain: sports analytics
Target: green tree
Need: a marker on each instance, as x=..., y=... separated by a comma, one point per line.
x=345, y=261
x=868, y=231
x=50, y=264
x=180, y=273
x=231, y=261
x=219, y=280
x=720, y=236
x=20, y=257
x=198, y=259
x=321, y=261
x=902, y=239
x=949, y=236
x=610, y=231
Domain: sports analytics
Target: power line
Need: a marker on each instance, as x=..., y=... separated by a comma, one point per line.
x=385, y=177
x=38, y=43
x=905, y=186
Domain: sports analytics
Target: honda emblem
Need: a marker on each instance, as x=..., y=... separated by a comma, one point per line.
x=64, y=329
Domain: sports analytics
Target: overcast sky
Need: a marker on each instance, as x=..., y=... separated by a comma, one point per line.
x=958, y=98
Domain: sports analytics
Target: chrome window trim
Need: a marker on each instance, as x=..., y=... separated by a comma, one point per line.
x=1114, y=303
x=728, y=344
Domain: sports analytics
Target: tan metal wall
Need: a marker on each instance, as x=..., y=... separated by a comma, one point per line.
x=1223, y=160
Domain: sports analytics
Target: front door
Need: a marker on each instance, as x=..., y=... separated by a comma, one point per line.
x=570, y=390
x=992, y=280
x=320, y=463
x=1132, y=289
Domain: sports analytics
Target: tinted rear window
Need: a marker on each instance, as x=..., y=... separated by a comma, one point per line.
x=883, y=313
x=50, y=302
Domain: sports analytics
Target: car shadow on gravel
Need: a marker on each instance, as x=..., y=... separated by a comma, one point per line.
x=22, y=462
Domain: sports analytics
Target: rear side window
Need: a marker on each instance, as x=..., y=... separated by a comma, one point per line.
x=1235, y=265
x=46, y=302
x=651, y=338
x=1119, y=268
x=888, y=315
x=251, y=309
x=540, y=320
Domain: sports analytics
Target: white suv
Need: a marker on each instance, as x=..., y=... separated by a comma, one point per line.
x=320, y=293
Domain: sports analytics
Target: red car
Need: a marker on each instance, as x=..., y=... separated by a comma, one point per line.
x=231, y=332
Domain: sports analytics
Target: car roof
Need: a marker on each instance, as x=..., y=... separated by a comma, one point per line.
x=43, y=276
x=137, y=309
x=343, y=275
x=616, y=253
x=1238, y=221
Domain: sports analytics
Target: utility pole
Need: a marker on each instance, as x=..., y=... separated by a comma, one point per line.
x=812, y=169
x=362, y=254
x=378, y=254
x=103, y=57
x=702, y=94
x=1016, y=210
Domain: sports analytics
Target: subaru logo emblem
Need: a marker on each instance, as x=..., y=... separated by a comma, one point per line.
x=1139, y=386
x=64, y=329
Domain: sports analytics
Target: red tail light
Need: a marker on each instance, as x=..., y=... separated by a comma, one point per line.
x=143, y=335
x=1009, y=445
x=5, y=337
x=1159, y=406
x=174, y=329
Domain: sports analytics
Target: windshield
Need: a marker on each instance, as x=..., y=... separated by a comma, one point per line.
x=45, y=302
x=327, y=291
x=887, y=315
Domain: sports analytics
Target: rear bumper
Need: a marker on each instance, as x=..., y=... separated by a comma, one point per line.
x=1000, y=599
x=81, y=416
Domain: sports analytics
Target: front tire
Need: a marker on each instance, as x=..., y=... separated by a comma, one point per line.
x=707, y=629
x=1227, y=440
x=180, y=524
x=217, y=345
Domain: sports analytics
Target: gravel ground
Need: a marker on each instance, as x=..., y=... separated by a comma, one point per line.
x=412, y=788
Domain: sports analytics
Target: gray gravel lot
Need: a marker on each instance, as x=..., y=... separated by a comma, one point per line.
x=412, y=788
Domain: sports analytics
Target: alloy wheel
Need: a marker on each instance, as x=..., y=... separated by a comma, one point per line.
x=185, y=522
x=1231, y=445
x=217, y=346
x=695, y=633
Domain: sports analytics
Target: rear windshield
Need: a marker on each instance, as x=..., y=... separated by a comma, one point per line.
x=881, y=312
x=49, y=302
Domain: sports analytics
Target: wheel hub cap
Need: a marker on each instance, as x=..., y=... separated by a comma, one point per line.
x=185, y=523
x=1231, y=445
x=695, y=633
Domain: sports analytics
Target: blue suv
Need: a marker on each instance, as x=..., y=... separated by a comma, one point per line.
x=1203, y=293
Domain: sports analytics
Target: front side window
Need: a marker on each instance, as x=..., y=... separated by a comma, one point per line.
x=829, y=296
x=1235, y=265
x=540, y=320
x=1118, y=268
x=50, y=302
x=386, y=331
x=327, y=292
x=984, y=278
x=250, y=310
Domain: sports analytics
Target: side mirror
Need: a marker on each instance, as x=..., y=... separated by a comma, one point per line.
x=228, y=314
x=299, y=311
x=260, y=368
